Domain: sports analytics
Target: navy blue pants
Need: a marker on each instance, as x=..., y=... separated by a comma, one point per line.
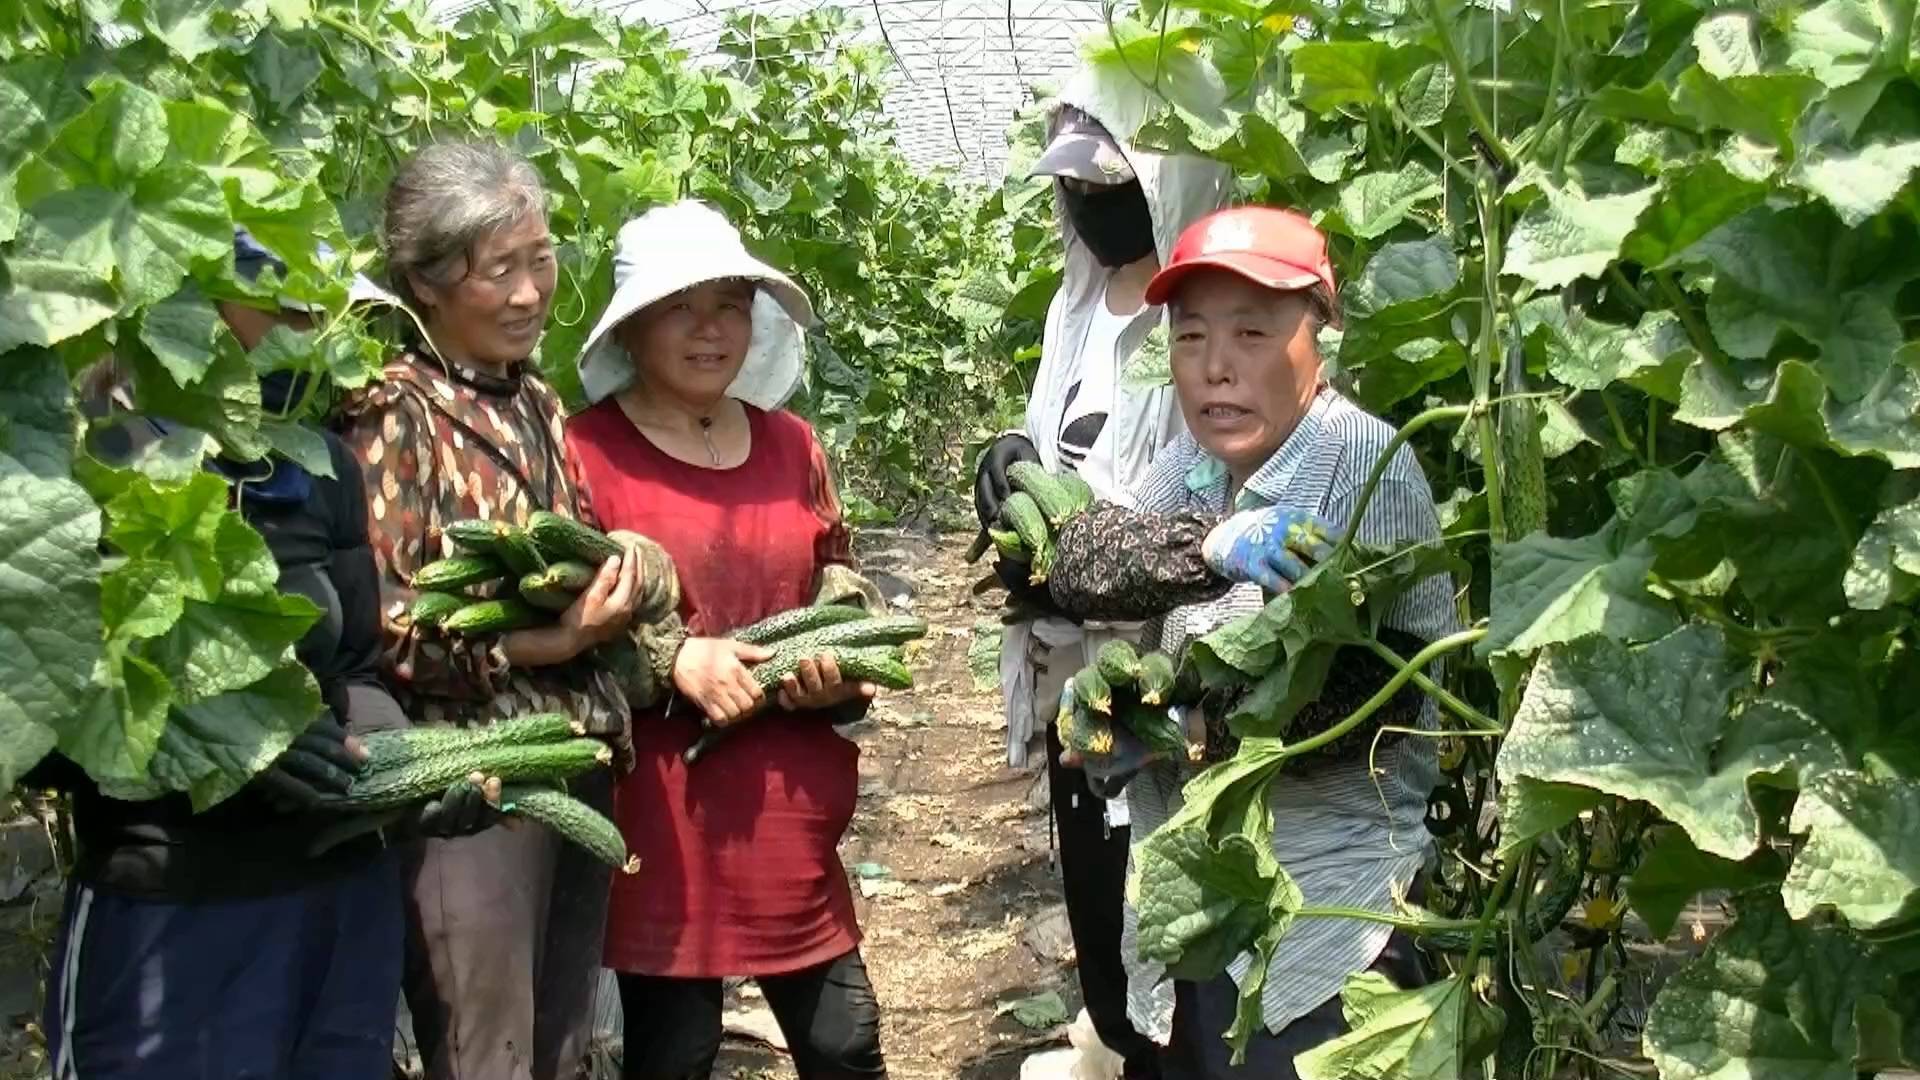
x=294, y=986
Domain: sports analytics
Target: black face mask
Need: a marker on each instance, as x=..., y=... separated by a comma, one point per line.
x=1114, y=222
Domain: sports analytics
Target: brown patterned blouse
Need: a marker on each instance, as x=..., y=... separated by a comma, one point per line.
x=440, y=443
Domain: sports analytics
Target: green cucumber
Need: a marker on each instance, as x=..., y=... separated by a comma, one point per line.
x=1091, y=690
x=458, y=572
x=797, y=621
x=875, y=665
x=1056, y=504
x=1156, y=679
x=572, y=819
x=879, y=666
x=558, y=586
x=1159, y=731
x=400, y=746
x=427, y=777
x=477, y=536
x=1007, y=543
x=519, y=552
x=1077, y=489
x=859, y=633
x=431, y=609
x=495, y=617
x=1022, y=514
x=564, y=538
x=1084, y=730
x=1118, y=662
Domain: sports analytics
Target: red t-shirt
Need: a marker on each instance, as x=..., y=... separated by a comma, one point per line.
x=739, y=868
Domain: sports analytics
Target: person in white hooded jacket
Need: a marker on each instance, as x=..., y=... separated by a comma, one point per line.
x=1102, y=406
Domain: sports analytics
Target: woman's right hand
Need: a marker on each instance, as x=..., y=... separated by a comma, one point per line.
x=605, y=607
x=713, y=674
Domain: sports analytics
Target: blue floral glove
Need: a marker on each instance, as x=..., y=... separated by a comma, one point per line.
x=1272, y=546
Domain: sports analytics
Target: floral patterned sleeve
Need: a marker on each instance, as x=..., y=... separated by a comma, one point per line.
x=389, y=435
x=1112, y=563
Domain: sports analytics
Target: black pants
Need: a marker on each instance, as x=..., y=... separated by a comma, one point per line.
x=1093, y=872
x=828, y=1013
x=1202, y=1013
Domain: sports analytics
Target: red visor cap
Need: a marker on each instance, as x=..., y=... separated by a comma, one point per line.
x=1274, y=248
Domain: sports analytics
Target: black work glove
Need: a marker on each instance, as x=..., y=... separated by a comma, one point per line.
x=1108, y=774
x=462, y=810
x=318, y=766
x=990, y=487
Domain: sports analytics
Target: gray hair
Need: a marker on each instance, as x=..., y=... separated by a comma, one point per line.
x=445, y=199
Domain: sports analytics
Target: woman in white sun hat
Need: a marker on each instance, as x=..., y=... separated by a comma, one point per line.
x=742, y=873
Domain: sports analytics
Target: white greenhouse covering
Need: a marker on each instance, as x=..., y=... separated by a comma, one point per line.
x=963, y=69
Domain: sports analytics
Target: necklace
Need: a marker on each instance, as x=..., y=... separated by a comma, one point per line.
x=706, y=433
x=706, y=429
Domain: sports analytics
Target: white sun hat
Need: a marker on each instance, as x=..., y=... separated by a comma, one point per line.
x=674, y=247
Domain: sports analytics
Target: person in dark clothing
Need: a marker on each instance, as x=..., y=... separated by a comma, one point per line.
x=212, y=945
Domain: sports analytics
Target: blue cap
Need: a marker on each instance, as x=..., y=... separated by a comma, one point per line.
x=249, y=257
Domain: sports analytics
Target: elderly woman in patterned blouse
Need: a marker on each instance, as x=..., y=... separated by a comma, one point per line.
x=1270, y=447
x=504, y=924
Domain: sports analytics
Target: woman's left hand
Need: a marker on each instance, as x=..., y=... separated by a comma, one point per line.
x=816, y=684
x=1273, y=546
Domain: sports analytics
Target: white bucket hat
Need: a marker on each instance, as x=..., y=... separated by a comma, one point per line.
x=674, y=247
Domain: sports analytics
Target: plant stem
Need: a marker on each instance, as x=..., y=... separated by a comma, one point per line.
x=1407, y=431
x=1465, y=174
x=1482, y=723
x=1462, y=78
x=1697, y=331
x=1400, y=678
x=1410, y=925
x=1495, y=900
x=1484, y=362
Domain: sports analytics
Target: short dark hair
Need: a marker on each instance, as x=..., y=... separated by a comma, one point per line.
x=1324, y=307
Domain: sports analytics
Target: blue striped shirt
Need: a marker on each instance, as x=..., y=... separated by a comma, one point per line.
x=1352, y=833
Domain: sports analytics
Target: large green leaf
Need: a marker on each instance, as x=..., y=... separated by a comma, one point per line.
x=1569, y=236
x=1769, y=1000
x=213, y=746
x=1691, y=202
x=1862, y=855
x=1673, y=872
x=1399, y=1034
x=1374, y=203
x=49, y=565
x=1840, y=41
x=1588, y=354
x=1777, y=269
x=1549, y=590
x=224, y=403
x=1649, y=722
x=1886, y=563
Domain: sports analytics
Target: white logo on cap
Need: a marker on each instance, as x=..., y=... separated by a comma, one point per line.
x=1229, y=234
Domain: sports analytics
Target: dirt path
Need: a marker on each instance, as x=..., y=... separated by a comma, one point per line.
x=965, y=918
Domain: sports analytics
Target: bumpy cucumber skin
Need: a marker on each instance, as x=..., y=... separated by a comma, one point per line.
x=431, y=609
x=1007, y=543
x=495, y=617
x=535, y=591
x=1085, y=731
x=1092, y=691
x=1077, y=489
x=459, y=572
x=1056, y=505
x=427, y=777
x=563, y=538
x=1118, y=662
x=859, y=633
x=1156, y=678
x=519, y=552
x=875, y=665
x=1159, y=731
x=572, y=819
x=797, y=621
x=403, y=746
x=475, y=535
